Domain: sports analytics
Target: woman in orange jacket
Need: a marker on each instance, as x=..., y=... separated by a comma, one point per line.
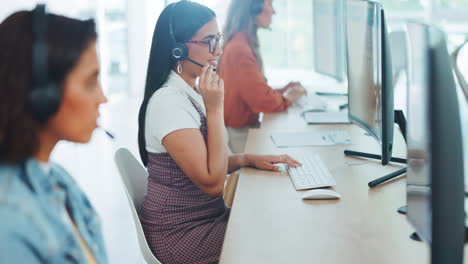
x=246, y=91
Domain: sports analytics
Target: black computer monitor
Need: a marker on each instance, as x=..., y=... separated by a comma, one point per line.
x=370, y=78
x=435, y=177
x=329, y=35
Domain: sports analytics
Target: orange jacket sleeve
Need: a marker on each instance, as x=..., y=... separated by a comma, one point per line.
x=251, y=85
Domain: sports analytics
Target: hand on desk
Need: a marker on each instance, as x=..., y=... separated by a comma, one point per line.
x=266, y=162
x=288, y=86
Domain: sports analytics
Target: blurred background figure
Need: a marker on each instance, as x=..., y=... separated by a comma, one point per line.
x=49, y=91
x=247, y=92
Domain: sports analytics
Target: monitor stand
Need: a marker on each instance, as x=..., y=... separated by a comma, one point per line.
x=416, y=237
x=401, y=121
x=402, y=210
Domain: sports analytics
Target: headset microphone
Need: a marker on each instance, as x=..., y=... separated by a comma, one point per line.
x=109, y=134
x=194, y=62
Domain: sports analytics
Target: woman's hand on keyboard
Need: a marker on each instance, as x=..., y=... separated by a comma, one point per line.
x=289, y=86
x=266, y=162
x=294, y=93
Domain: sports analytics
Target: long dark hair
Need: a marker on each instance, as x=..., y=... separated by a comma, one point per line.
x=186, y=18
x=66, y=40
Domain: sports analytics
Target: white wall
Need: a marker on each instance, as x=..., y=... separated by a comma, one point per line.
x=142, y=17
x=10, y=6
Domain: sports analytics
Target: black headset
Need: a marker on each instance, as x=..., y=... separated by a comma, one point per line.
x=45, y=97
x=256, y=7
x=179, y=50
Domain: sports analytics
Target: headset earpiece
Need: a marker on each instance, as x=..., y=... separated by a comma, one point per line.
x=180, y=51
x=44, y=101
x=257, y=7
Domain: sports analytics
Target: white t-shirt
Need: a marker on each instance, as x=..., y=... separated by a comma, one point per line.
x=170, y=109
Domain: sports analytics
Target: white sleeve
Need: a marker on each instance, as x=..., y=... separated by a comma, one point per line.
x=167, y=112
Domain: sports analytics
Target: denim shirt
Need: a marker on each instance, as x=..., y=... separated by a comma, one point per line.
x=32, y=226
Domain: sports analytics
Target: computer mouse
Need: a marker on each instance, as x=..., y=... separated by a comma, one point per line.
x=320, y=194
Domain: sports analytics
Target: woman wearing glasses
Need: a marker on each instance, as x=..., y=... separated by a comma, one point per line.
x=247, y=92
x=182, y=139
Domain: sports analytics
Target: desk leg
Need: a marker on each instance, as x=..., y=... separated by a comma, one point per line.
x=415, y=237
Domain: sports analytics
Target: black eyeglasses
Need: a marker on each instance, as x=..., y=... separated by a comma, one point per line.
x=212, y=43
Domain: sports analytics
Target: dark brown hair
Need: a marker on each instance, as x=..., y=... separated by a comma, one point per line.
x=66, y=40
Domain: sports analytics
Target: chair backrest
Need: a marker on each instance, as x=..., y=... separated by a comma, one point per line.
x=135, y=179
x=134, y=176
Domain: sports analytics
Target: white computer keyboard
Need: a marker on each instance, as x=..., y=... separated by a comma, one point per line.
x=311, y=102
x=312, y=174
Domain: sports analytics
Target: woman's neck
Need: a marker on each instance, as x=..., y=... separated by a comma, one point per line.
x=47, y=143
x=188, y=79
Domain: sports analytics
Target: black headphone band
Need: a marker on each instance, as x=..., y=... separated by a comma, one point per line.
x=45, y=97
x=179, y=50
x=39, y=48
x=171, y=19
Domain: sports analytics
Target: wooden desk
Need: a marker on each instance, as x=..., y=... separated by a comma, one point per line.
x=270, y=223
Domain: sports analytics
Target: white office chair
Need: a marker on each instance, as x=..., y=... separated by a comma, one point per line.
x=135, y=179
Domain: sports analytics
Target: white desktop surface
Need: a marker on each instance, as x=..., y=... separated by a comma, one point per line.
x=270, y=223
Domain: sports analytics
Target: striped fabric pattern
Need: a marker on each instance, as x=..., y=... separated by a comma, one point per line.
x=181, y=223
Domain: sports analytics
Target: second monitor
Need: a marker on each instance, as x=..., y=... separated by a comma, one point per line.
x=370, y=81
x=329, y=52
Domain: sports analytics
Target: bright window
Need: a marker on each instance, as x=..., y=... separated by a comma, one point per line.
x=113, y=45
x=402, y=5
x=453, y=4
x=289, y=43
